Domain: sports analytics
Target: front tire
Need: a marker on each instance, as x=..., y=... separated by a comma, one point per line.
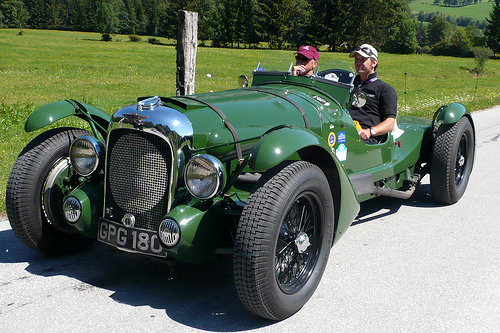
x=283, y=240
x=34, y=197
x=452, y=160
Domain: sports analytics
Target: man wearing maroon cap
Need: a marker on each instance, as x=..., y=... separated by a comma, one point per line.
x=306, y=59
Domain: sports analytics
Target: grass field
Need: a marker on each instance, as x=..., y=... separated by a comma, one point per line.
x=46, y=66
x=478, y=11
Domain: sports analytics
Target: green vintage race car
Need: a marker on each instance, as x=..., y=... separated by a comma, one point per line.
x=272, y=173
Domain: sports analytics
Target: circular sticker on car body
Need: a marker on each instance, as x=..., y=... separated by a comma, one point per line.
x=332, y=138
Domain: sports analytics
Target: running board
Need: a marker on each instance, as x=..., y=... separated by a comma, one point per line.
x=363, y=184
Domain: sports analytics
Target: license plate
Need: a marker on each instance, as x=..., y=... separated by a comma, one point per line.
x=130, y=239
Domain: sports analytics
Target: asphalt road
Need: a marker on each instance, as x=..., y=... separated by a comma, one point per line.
x=404, y=266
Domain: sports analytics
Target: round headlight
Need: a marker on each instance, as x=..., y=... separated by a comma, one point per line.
x=72, y=209
x=169, y=232
x=85, y=154
x=204, y=176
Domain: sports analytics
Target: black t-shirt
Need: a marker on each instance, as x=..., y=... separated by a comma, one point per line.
x=373, y=101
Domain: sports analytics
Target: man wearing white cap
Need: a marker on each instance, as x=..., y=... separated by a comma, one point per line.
x=373, y=102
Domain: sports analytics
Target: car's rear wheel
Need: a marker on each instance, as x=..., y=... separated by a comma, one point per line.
x=452, y=160
x=34, y=194
x=283, y=240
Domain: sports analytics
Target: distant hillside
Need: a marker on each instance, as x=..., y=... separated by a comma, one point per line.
x=476, y=11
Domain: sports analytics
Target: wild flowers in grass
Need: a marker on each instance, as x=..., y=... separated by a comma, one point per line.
x=425, y=106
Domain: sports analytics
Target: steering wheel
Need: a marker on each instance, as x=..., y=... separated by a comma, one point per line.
x=338, y=75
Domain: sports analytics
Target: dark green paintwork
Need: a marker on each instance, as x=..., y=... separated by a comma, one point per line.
x=90, y=195
x=279, y=118
x=53, y=112
x=451, y=113
x=202, y=228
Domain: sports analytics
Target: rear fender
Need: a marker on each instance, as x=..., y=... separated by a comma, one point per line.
x=450, y=114
x=286, y=143
x=50, y=113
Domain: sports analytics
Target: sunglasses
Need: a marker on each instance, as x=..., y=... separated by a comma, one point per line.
x=302, y=58
x=366, y=50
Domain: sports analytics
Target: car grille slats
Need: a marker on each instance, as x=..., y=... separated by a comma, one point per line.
x=139, y=166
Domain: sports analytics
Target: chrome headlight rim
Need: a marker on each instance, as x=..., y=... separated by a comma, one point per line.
x=193, y=176
x=169, y=232
x=72, y=209
x=96, y=155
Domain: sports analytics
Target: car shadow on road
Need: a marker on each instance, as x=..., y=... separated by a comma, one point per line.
x=202, y=296
x=380, y=207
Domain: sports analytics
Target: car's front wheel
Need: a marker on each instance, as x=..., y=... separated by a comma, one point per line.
x=34, y=194
x=452, y=160
x=283, y=240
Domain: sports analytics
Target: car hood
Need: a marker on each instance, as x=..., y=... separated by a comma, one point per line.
x=216, y=120
x=243, y=114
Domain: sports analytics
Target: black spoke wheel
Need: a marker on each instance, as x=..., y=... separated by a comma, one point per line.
x=283, y=240
x=297, y=246
x=34, y=196
x=452, y=161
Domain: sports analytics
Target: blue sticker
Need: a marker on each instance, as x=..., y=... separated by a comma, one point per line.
x=341, y=137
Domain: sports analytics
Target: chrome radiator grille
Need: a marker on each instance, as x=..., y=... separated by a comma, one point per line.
x=138, y=175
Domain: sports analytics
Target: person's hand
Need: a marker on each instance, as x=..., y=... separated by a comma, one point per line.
x=298, y=70
x=364, y=133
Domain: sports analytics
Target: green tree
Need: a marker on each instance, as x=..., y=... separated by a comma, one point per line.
x=16, y=14
x=219, y=19
x=282, y=18
x=373, y=21
x=421, y=35
x=51, y=14
x=402, y=38
x=252, y=21
x=439, y=30
x=107, y=20
x=475, y=35
x=492, y=31
x=460, y=44
x=329, y=23
x=481, y=55
x=248, y=22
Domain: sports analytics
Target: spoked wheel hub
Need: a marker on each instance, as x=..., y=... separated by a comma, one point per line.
x=302, y=242
x=461, y=159
x=297, y=246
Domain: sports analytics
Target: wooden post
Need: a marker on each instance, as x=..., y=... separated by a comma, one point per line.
x=187, y=44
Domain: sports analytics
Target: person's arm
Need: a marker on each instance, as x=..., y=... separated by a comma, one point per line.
x=384, y=127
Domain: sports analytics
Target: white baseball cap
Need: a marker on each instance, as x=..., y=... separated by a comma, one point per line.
x=366, y=51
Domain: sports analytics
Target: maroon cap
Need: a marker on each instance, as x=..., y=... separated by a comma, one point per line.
x=309, y=52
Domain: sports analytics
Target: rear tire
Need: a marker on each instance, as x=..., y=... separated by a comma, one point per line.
x=283, y=240
x=452, y=160
x=34, y=199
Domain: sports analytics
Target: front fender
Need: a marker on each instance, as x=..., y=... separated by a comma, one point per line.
x=53, y=112
x=284, y=143
x=280, y=145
